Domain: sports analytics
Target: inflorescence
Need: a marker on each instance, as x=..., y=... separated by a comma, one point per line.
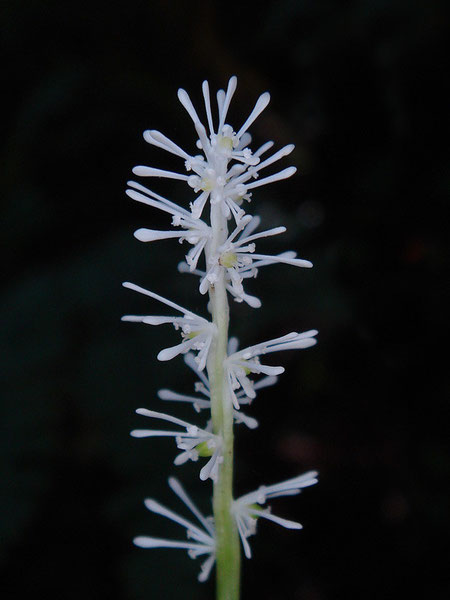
x=222, y=176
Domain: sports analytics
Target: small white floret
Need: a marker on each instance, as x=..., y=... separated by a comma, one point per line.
x=197, y=332
x=201, y=539
x=246, y=510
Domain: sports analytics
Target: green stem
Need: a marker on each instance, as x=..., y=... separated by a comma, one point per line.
x=227, y=537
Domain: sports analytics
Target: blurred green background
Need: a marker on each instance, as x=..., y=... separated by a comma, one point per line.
x=358, y=86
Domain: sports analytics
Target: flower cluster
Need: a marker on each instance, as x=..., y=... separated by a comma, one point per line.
x=246, y=511
x=221, y=174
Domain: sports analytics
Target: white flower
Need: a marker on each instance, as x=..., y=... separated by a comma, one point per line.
x=246, y=510
x=197, y=332
x=240, y=364
x=196, y=231
x=204, y=401
x=210, y=175
x=201, y=541
x=239, y=259
x=252, y=301
x=194, y=442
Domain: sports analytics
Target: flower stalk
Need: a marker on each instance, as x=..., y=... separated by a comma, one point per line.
x=223, y=256
x=227, y=537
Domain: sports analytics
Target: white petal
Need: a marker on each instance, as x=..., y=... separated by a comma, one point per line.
x=183, y=97
x=261, y=234
x=284, y=174
x=151, y=235
x=156, y=138
x=232, y=83
x=143, y=171
x=296, y=262
x=263, y=148
x=207, y=99
x=151, y=542
x=260, y=105
x=245, y=544
x=283, y=522
x=141, y=290
x=206, y=568
x=144, y=433
x=165, y=417
x=159, y=509
x=277, y=156
x=176, y=486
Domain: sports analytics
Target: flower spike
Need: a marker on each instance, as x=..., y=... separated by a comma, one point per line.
x=221, y=175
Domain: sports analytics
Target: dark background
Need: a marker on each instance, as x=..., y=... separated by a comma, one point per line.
x=358, y=86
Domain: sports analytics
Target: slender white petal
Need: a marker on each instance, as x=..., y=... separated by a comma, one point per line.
x=283, y=522
x=239, y=364
x=154, y=200
x=156, y=138
x=295, y=262
x=220, y=96
x=159, y=509
x=260, y=105
x=183, y=97
x=197, y=333
x=151, y=235
x=201, y=541
x=284, y=174
x=141, y=290
x=285, y=151
x=232, y=83
x=143, y=171
x=244, y=141
x=252, y=301
x=253, y=172
x=206, y=568
x=243, y=535
x=294, y=485
x=206, y=146
x=246, y=511
x=207, y=99
x=176, y=486
x=262, y=149
x=261, y=234
x=193, y=442
x=144, y=541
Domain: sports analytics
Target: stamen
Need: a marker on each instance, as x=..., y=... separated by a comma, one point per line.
x=156, y=138
x=260, y=105
x=206, y=97
x=143, y=171
x=284, y=174
x=183, y=97
x=226, y=103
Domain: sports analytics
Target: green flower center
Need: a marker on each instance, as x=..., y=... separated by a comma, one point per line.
x=228, y=260
x=204, y=450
